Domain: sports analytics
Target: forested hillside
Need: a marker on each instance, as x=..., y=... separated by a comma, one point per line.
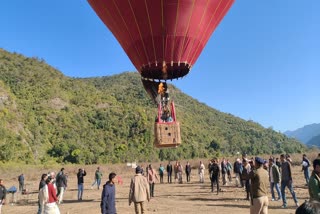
x=46, y=116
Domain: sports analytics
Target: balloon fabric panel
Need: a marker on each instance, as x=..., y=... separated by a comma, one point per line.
x=162, y=38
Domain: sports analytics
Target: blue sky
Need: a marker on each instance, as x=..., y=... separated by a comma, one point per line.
x=261, y=64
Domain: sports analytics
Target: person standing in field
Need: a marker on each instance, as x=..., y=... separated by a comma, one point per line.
x=42, y=184
x=152, y=177
x=161, y=173
x=229, y=170
x=201, y=172
x=61, y=182
x=259, y=188
x=214, y=174
x=139, y=191
x=224, y=171
x=286, y=181
x=305, y=168
x=80, y=179
x=188, y=171
x=50, y=198
x=237, y=169
x=169, y=172
x=244, y=177
x=97, y=178
x=274, y=178
x=175, y=170
x=209, y=166
x=21, y=182
x=314, y=182
x=108, y=196
x=180, y=170
x=3, y=194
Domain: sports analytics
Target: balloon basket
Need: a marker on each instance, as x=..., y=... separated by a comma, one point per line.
x=167, y=135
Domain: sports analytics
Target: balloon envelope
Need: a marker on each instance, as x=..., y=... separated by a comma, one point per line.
x=162, y=38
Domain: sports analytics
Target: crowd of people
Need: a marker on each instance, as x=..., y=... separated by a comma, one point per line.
x=256, y=176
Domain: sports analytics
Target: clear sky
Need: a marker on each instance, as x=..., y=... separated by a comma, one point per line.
x=261, y=64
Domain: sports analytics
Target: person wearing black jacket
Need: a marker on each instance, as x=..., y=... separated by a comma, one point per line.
x=3, y=193
x=169, y=171
x=21, y=183
x=108, y=196
x=61, y=181
x=80, y=176
x=214, y=174
x=188, y=171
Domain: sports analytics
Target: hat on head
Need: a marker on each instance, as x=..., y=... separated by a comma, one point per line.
x=138, y=169
x=259, y=160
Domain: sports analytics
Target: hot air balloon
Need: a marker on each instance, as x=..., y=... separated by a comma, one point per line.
x=163, y=39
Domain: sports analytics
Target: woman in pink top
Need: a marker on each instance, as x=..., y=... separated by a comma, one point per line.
x=152, y=176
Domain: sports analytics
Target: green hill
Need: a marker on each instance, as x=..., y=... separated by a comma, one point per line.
x=46, y=116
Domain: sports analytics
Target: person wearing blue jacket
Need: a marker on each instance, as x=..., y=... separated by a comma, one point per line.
x=108, y=196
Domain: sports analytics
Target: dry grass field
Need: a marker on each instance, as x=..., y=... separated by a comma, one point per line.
x=169, y=198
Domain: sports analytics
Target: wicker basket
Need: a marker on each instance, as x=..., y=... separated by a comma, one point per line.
x=167, y=135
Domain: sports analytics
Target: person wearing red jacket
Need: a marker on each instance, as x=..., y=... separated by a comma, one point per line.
x=51, y=198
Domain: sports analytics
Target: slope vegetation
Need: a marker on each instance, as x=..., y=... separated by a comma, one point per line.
x=46, y=116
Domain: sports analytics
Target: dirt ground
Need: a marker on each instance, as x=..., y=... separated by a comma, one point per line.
x=169, y=198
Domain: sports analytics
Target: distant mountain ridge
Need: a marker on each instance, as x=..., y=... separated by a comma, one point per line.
x=315, y=141
x=306, y=133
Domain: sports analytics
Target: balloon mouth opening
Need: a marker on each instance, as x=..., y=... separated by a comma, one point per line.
x=165, y=71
